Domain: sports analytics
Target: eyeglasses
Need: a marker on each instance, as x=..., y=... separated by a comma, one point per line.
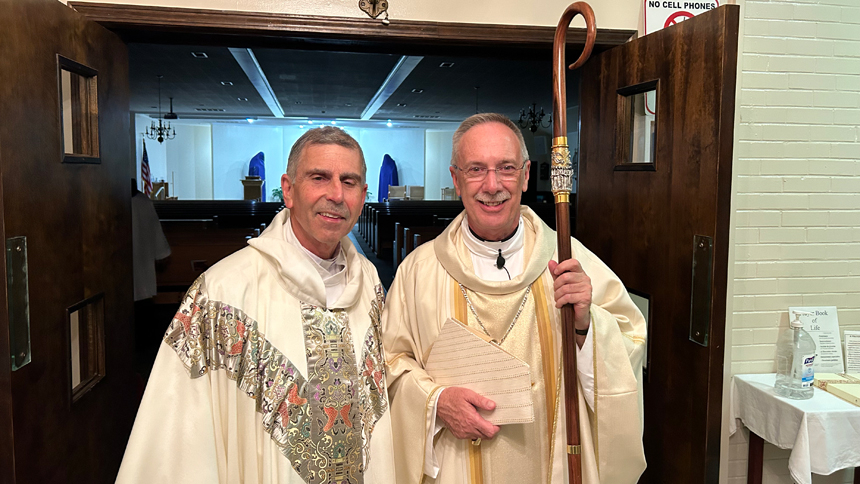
x=505, y=172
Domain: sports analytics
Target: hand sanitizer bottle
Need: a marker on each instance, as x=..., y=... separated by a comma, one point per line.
x=795, y=355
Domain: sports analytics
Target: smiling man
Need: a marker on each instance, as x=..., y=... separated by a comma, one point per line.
x=494, y=268
x=272, y=370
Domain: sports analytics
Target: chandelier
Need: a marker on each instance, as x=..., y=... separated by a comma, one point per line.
x=533, y=119
x=162, y=131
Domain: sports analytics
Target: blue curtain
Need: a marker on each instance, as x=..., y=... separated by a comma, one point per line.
x=387, y=177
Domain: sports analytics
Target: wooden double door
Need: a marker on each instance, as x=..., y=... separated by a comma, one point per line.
x=67, y=395
x=661, y=225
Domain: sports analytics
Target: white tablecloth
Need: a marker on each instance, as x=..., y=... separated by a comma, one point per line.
x=823, y=432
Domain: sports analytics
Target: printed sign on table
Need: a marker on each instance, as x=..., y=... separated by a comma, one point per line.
x=823, y=325
x=852, y=352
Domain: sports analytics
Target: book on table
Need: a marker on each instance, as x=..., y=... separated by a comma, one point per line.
x=843, y=385
x=462, y=356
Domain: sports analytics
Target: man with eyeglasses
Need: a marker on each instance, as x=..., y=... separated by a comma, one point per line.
x=495, y=269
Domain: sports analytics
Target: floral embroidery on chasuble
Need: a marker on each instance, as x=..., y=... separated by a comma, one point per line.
x=322, y=422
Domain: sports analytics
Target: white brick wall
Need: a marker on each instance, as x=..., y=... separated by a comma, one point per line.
x=797, y=186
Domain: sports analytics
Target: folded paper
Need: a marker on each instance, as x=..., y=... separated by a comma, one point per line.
x=464, y=357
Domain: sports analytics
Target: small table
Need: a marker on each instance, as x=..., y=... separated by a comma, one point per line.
x=823, y=432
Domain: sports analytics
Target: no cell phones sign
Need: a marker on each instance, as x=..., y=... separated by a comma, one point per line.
x=660, y=14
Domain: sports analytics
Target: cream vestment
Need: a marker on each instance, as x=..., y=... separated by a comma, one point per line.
x=260, y=381
x=426, y=292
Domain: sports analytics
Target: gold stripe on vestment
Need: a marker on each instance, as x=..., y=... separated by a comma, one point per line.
x=459, y=303
x=476, y=464
x=555, y=420
x=547, y=351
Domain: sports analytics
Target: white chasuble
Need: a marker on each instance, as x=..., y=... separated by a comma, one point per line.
x=260, y=381
x=426, y=292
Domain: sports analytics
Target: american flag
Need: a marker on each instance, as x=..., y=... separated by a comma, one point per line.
x=144, y=173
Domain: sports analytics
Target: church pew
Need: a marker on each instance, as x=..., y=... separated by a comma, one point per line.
x=411, y=212
x=202, y=232
x=373, y=214
x=397, y=250
x=364, y=220
x=415, y=236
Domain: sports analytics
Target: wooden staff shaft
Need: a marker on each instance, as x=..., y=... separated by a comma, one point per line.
x=562, y=183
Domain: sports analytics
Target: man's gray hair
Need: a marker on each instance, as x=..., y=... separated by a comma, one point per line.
x=326, y=135
x=484, y=118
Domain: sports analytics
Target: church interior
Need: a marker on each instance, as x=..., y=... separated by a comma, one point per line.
x=223, y=111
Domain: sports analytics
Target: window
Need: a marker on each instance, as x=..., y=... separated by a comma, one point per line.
x=86, y=345
x=79, y=113
x=636, y=142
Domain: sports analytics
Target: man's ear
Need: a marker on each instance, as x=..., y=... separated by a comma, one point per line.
x=287, y=189
x=454, y=178
x=526, y=169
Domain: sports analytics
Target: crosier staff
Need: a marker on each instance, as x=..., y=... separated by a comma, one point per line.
x=562, y=182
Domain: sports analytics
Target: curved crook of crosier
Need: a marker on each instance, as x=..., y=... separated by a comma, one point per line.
x=559, y=114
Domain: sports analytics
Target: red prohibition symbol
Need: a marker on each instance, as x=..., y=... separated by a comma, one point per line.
x=677, y=17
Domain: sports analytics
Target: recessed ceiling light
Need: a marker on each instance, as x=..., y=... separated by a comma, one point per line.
x=446, y=64
x=349, y=105
x=226, y=83
x=301, y=126
x=241, y=99
x=200, y=55
x=333, y=122
x=418, y=91
x=388, y=123
x=402, y=105
x=322, y=112
x=298, y=102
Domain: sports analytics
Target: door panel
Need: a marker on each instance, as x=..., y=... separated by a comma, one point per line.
x=642, y=221
x=77, y=221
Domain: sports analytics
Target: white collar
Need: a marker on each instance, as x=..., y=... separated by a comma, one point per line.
x=331, y=270
x=488, y=249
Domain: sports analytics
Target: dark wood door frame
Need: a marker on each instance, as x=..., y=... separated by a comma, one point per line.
x=7, y=433
x=136, y=23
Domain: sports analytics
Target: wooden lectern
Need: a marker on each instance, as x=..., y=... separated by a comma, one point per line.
x=253, y=188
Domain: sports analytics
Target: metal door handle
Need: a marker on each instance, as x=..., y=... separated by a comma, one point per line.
x=18, y=301
x=700, y=295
